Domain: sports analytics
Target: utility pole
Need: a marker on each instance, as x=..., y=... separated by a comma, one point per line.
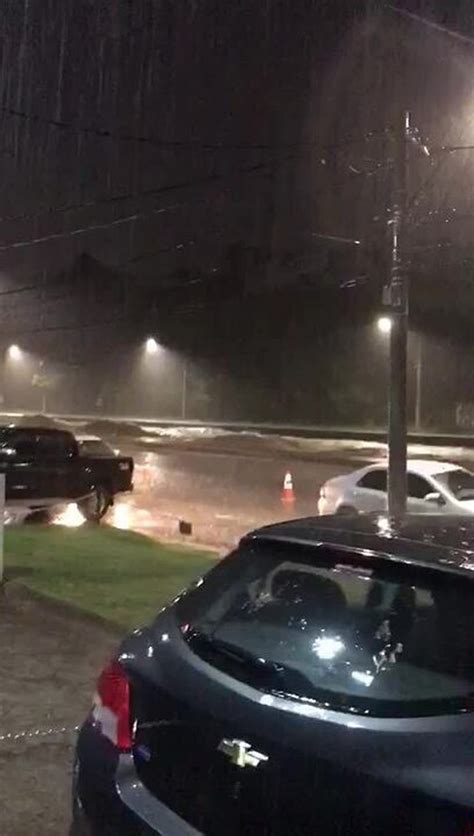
x=418, y=380
x=184, y=390
x=396, y=299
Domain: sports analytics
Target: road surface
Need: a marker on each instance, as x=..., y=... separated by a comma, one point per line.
x=222, y=496
x=225, y=494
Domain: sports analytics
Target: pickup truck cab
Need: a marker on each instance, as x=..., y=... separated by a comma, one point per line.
x=45, y=467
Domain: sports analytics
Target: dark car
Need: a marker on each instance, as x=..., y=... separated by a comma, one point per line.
x=44, y=467
x=319, y=680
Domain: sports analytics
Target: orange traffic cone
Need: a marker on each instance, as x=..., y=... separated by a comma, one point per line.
x=288, y=494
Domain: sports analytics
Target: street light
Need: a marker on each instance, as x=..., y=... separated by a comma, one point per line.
x=384, y=324
x=151, y=346
x=418, y=379
x=15, y=352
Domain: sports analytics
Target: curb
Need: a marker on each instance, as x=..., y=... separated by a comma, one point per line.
x=18, y=592
x=196, y=545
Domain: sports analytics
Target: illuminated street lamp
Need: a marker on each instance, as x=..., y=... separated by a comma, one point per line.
x=15, y=352
x=151, y=346
x=384, y=324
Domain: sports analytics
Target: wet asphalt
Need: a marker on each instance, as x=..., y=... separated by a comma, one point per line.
x=221, y=496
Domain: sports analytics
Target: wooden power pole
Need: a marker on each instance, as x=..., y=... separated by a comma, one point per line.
x=396, y=299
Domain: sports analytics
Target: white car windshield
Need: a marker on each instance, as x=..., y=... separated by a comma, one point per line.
x=459, y=482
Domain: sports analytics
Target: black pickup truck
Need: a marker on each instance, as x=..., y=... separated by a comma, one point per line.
x=45, y=467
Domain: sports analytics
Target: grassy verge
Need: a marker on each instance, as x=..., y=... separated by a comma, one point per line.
x=118, y=575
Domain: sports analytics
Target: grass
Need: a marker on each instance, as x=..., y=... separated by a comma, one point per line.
x=118, y=575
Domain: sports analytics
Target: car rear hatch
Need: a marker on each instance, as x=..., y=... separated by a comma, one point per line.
x=190, y=762
x=363, y=724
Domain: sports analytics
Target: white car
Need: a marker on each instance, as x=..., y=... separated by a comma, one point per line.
x=432, y=487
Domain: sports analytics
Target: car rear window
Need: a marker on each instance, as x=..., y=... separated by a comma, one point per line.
x=459, y=482
x=345, y=631
x=375, y=480
x=96, y=448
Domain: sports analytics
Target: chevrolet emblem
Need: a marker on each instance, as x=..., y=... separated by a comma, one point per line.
x=240, y=753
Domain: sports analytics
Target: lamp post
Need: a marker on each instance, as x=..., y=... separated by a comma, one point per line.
x=418, y=380
x=13, y=358
x=184, y=390
x=14, y=352
x=153, y=347
x=384, y=325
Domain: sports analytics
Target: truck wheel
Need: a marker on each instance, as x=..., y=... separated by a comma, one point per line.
x=97, y=504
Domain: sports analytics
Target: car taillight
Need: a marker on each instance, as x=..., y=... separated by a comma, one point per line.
x=111, y=709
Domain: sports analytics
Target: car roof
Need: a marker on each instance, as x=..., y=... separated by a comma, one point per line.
x=430, y=540
x=24, y=428
x=423, y=467
x=88, y=438
x=430, y=467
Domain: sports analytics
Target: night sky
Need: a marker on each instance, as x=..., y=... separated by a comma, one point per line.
x=202, y=170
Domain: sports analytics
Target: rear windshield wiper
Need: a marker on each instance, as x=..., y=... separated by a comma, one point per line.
x=231, y=651
x=266, y=673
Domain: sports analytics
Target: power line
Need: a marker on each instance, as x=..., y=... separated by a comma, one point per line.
x=105, y=133
x=154, y=252
x=203, y=279
x=153, y=192
x=72, y=233
x=185, y=145
x=55, y=236
x=431, y=177
x=87, y=326
x=325, y=236
x=136, y=215
x=165, y=289
x=132, y=318
x=180, y=246
x=336, y=238
x=450, y=149
x=445, y=215
x=147, y=193
x=430, y=24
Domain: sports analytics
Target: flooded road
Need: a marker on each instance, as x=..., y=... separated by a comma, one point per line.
x=221, y=496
